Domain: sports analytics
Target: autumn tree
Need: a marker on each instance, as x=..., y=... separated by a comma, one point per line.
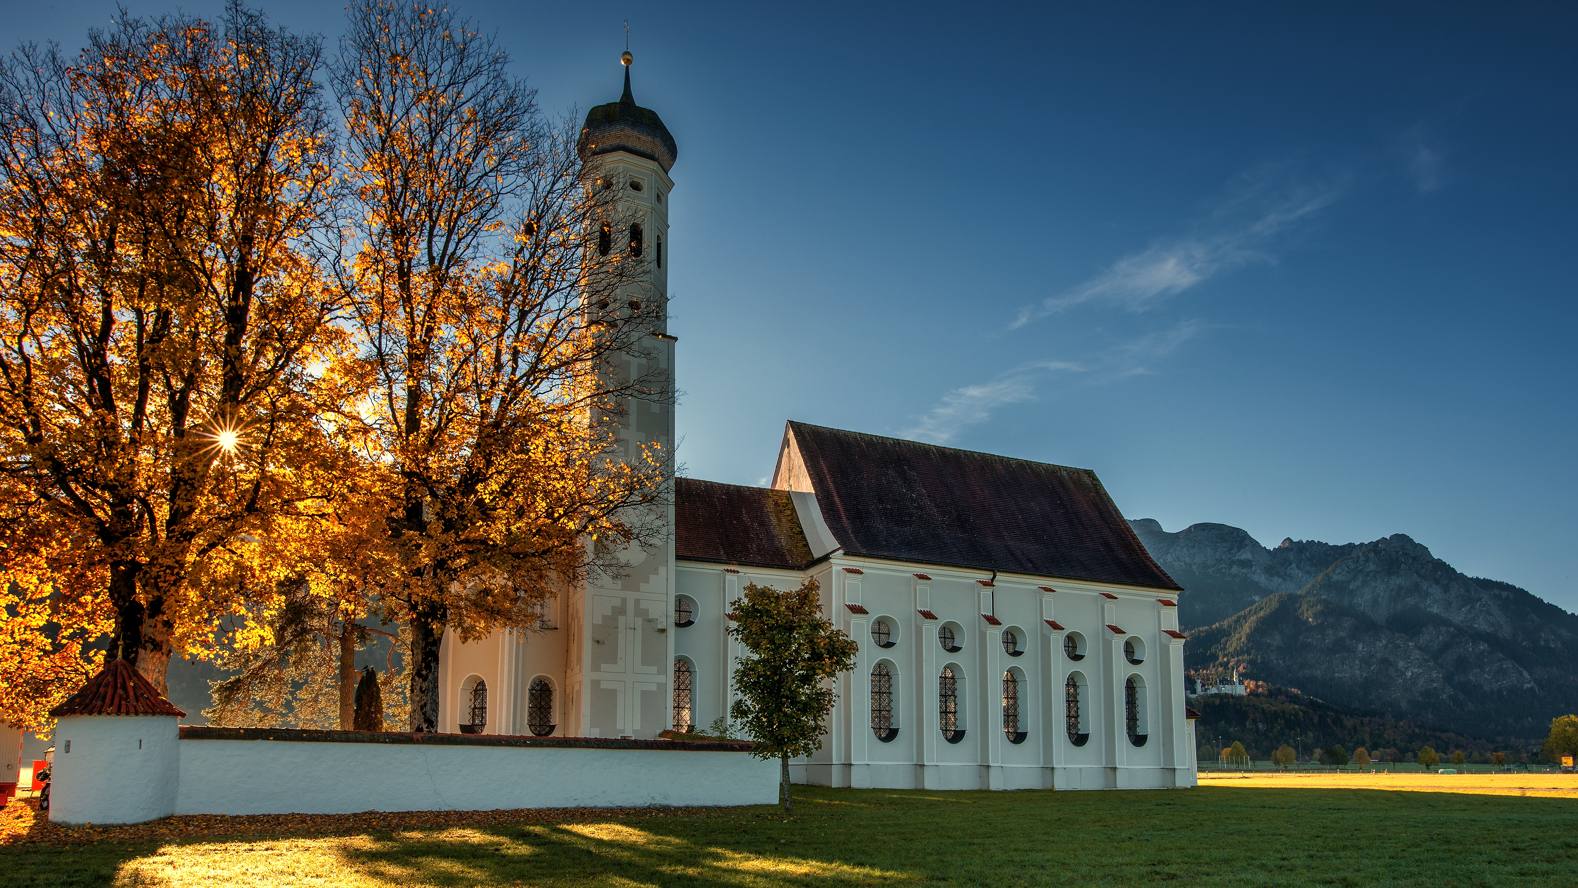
x=784, y=681
x=159, y=300
x=1361, y=757
x=1284, y=755
x=1428, y=757
x=1562, y=739
x=1235, y=755
x=484, y=331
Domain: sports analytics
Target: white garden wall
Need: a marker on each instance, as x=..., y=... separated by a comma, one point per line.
x=255, y=771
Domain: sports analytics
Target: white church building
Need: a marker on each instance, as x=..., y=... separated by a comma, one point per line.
x=1013, y=631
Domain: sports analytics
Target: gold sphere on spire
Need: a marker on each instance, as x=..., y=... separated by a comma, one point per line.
x=625, y=58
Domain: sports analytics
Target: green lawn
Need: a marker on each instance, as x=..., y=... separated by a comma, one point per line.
x=1205, y=836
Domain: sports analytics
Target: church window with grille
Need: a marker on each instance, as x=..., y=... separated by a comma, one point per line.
x=883, y=723
x=882, y=632
x=1073, y=710
x=476, y=701
x=1074, y=646
x=1134, y=650
x=684, y=611
x=948, y=637
x=1011, y=716
x=948, y=719
x=1011, y=643
x=1134, y=710
x=684, y=695
x=539, y=707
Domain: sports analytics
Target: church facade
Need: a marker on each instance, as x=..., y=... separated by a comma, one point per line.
x=1013, y=631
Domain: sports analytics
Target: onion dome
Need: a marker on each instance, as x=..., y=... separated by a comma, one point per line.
x=626, y=126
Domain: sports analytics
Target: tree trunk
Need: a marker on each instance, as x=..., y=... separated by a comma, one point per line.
x=126, y=643
x=426, y=636
x=348, y=676
x=156, y=648
x=783, y=783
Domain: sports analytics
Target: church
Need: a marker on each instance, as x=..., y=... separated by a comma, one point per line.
x=1013, y=631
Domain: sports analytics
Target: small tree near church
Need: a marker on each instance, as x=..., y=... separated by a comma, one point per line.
x=784, y=681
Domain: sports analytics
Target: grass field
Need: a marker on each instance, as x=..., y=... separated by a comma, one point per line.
x=1265, y=829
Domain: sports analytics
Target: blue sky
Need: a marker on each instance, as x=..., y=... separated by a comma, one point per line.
x=1306, y=271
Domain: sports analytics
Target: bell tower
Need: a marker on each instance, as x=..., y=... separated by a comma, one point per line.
x=619, y=654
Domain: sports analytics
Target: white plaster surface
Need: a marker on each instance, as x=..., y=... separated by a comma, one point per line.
x=114, y=769
x=276, y=777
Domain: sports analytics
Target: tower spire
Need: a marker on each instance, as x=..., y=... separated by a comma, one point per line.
x=625, y=58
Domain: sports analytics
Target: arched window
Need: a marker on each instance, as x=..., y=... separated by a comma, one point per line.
x=635, y=240
x=883, y=724
x=1074, y=709
x=684, y=695
x=539, y=707
x=948, y=719
x=1012, y=645
x=1074, y=646
x=684, y=611
x=1011, y=722
x=605, y=239
x=660, y=251
x=474, y=697
x=1134, y=710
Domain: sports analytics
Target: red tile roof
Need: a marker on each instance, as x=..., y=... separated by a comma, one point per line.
x=1109, y=596
x=1175, y=633
x=118, y=689
x=923, y=576
x=853, y=570
x=991, y=620
x=1056, y=626
x=856, y=609
x=1046, y=588
x=1190, y=713
x=1116, y=630
x=1167, y=602
x=907, y=501
x=730, y=524
x=926, y=614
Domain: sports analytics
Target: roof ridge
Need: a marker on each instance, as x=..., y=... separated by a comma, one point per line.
x=1024, y=459
x=679, y=478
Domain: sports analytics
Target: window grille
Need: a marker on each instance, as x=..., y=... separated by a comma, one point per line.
x=948, y=705
x=635, y=240
x=948, y=639
x=684, y=611
x=477, y=709
x=1071, y=712
x=684, y=695
x=539, y=707
x=1131, y=651
x=882, y=703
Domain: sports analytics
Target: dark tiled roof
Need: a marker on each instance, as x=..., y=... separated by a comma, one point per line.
x=118, y=689
x=730, y=524
x=907, y=501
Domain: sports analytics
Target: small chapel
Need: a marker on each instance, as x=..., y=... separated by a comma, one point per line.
x=1013, y=631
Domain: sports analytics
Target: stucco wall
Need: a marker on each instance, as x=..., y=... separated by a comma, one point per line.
x=264, y=777
x=113, y=769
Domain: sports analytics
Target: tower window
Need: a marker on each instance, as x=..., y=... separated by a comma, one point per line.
x=660, y=251
x=635, y=240
x=539, y=707
x=684, y=695
x=605, y=239
x=635, y=185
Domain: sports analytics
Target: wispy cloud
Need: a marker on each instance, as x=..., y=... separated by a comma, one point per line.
x=967, y=406
x=971, y=405
x=1425, y=161
x=1244, y=227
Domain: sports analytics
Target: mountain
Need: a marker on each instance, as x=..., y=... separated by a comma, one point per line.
x=1381, y=627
